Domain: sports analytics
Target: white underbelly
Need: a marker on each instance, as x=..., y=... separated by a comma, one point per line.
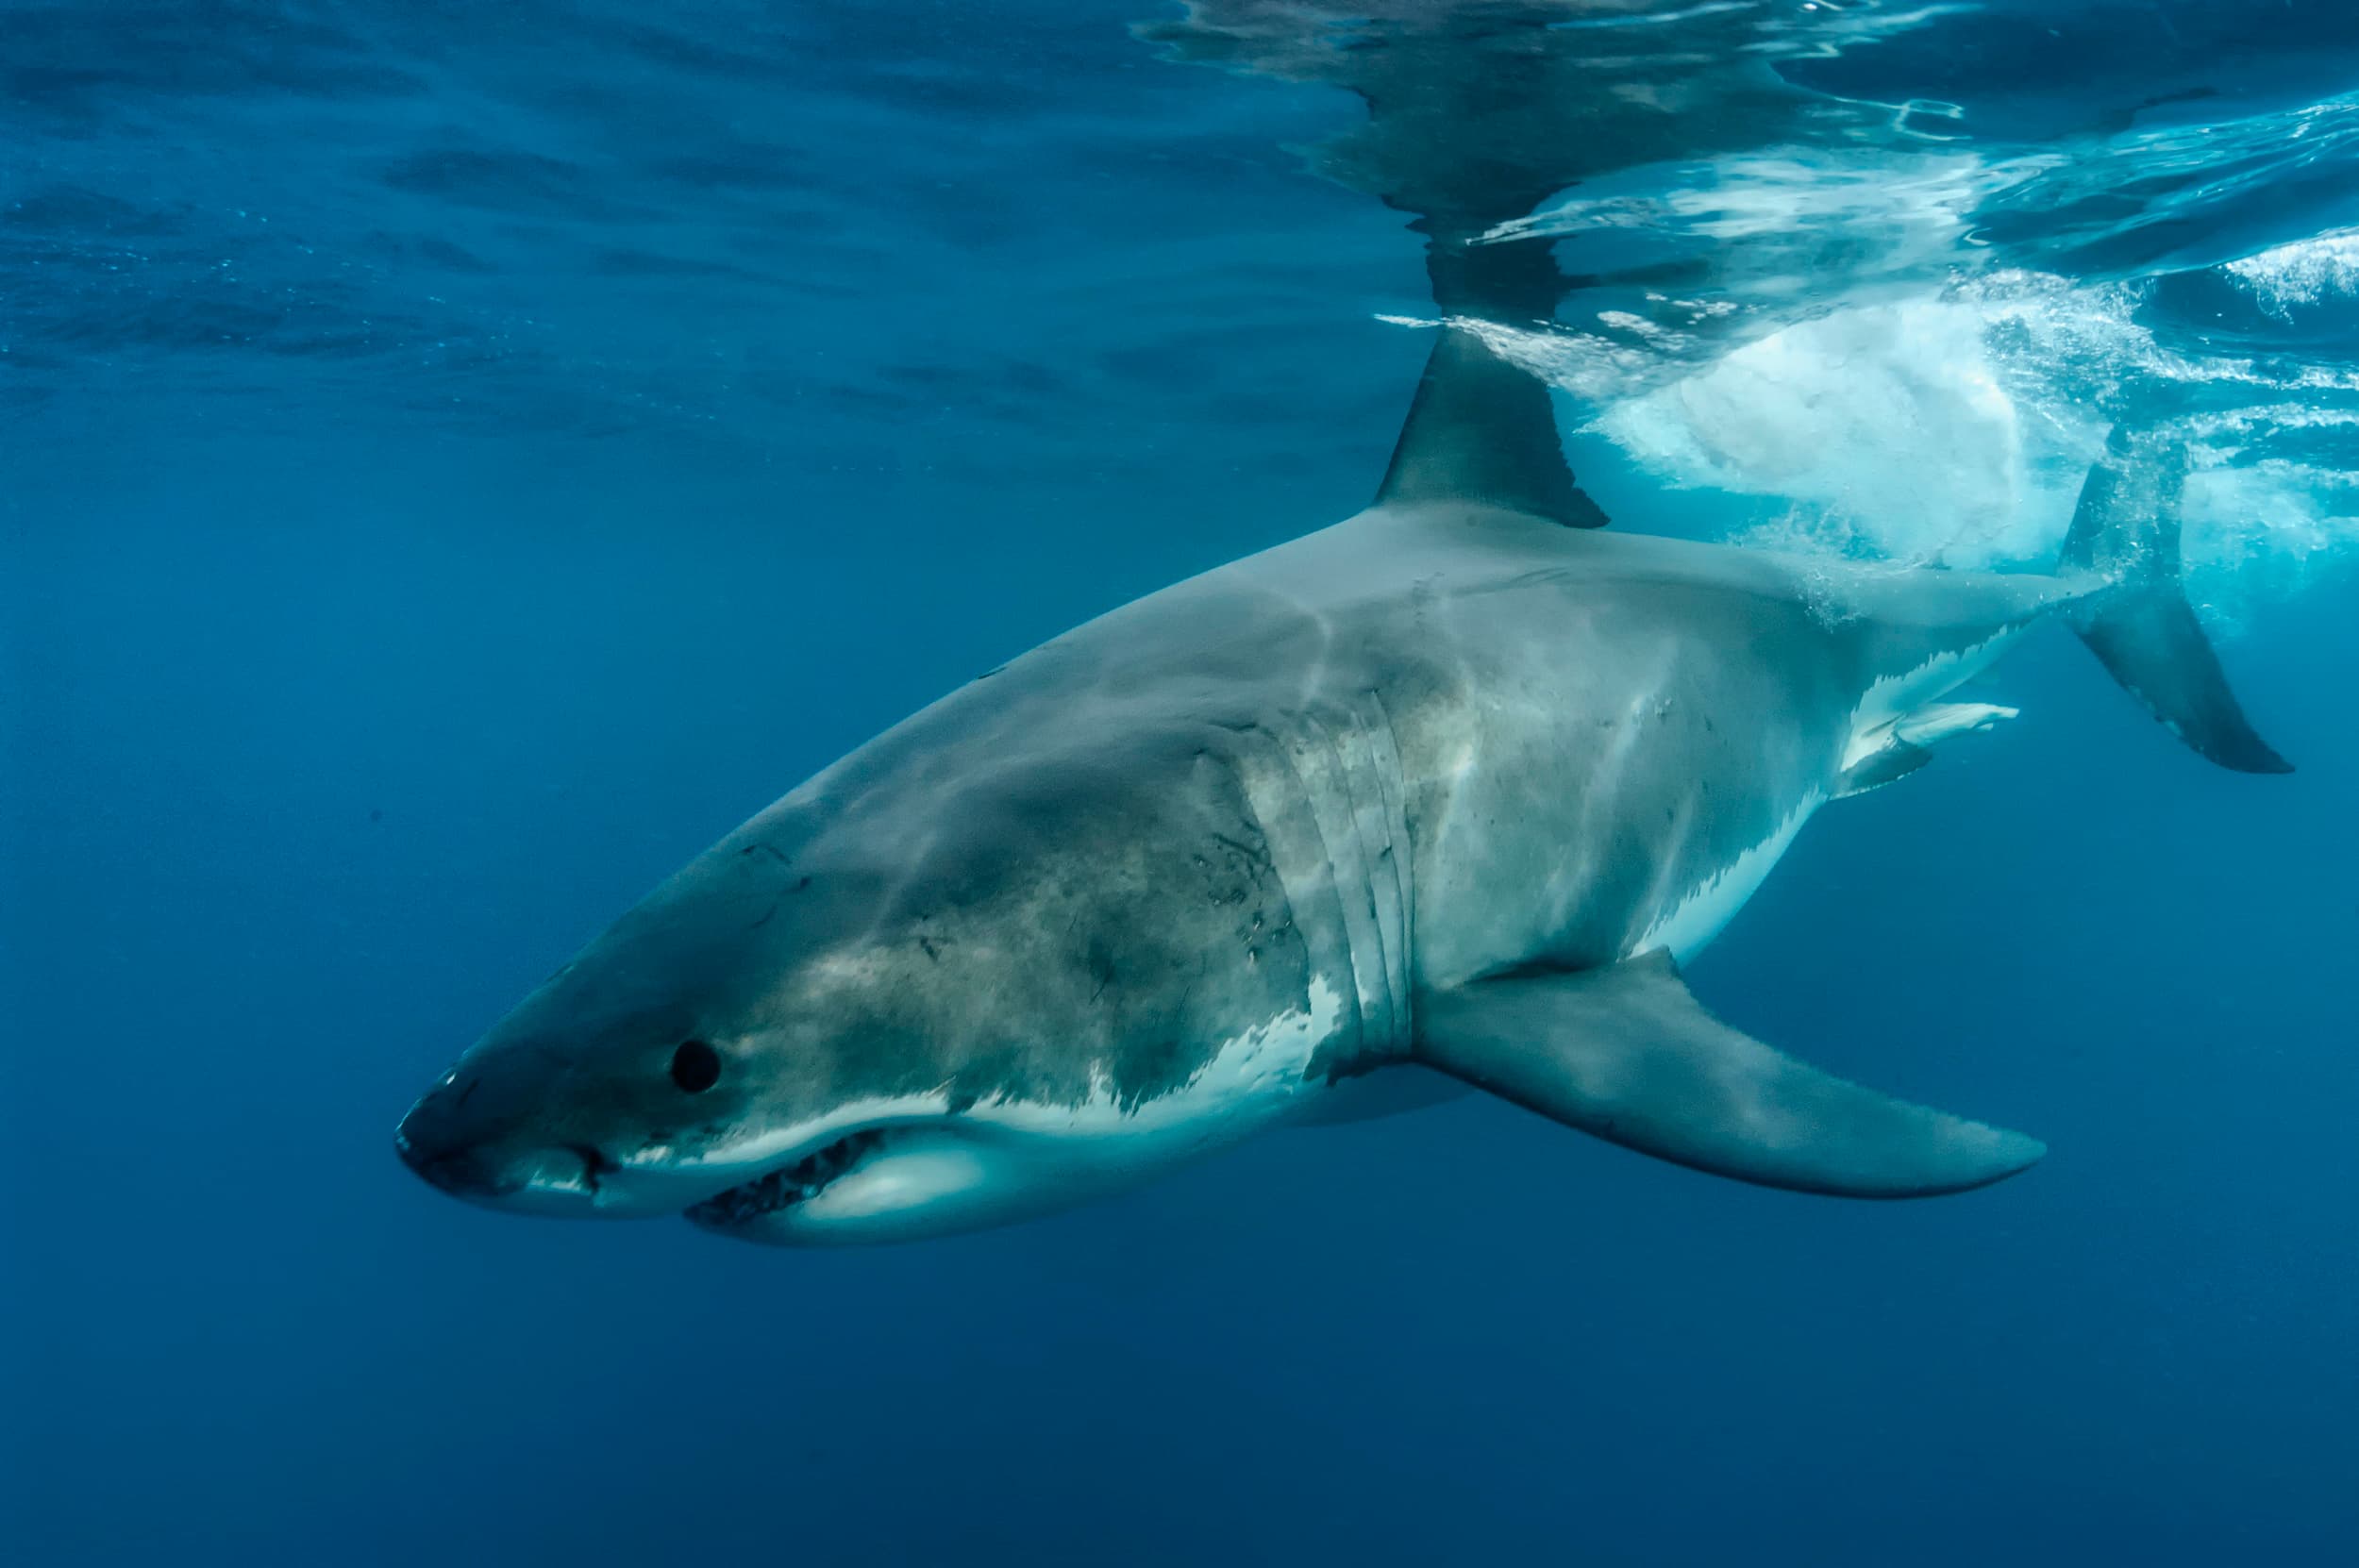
x=1690, y=923
x=936, y=1172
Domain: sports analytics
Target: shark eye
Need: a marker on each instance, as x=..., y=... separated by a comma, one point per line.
x=696, y=1066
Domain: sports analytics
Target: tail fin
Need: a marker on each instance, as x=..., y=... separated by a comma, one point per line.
x=2142, y=628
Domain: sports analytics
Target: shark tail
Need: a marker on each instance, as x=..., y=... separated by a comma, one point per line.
x=2141, y=627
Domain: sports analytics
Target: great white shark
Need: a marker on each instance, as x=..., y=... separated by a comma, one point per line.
x=1452, y=784
x=1441, y=796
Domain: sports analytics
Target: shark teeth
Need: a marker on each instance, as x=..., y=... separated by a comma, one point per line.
x=787, y=1186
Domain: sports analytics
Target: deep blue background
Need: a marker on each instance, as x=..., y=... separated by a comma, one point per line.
x=347, y=687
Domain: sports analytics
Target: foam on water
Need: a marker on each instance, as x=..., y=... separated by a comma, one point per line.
x=2303, y=273
x=1954, y=426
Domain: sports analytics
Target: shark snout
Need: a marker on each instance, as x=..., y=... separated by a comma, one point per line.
x=495, y=1167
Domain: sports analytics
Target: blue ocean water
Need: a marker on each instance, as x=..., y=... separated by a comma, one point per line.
x=459, y=461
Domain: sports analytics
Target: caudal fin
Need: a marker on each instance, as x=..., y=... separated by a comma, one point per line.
x=2141, y=627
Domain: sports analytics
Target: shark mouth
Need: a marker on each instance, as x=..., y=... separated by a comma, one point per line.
x=784, y=1187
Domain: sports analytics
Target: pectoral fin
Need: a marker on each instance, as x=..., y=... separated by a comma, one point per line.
x=1627, y=1053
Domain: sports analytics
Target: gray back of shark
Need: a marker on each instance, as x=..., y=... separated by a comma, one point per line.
x=1455, y=785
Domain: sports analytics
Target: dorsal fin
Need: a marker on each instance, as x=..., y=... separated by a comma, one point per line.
x=1476, y=114
x=1481, y=111
x=1482, y=429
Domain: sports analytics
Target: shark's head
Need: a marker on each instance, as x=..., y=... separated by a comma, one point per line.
x=934, y=1011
